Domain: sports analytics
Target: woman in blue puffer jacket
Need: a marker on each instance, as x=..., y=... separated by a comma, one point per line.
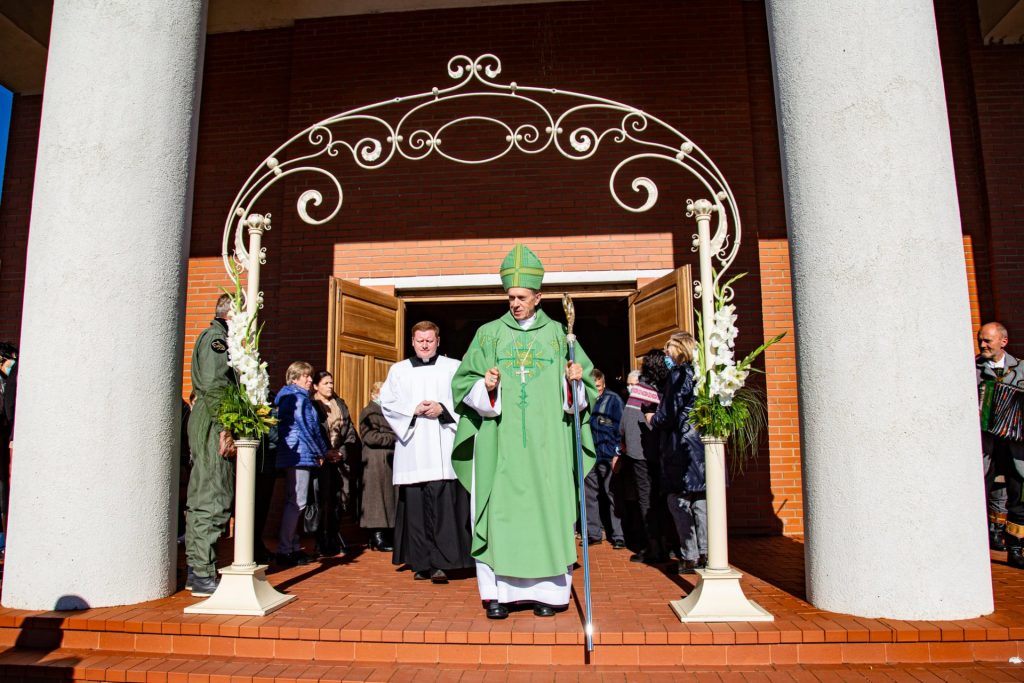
x=682, y=453
x=300, y=450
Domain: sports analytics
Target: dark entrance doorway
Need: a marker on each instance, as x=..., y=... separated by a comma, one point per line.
x=602, y=327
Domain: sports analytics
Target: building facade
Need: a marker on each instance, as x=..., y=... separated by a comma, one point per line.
x=715, y=71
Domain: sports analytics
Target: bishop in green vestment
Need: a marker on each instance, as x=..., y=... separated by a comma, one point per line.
x=515, y=446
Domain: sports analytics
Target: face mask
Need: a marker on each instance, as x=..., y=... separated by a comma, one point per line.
x=669, y=363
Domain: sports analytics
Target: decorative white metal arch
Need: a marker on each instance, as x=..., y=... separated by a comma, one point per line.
x=553, y=129
x=554, y=121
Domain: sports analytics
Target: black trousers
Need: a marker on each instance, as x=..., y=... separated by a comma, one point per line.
x=331, y=492
x=1006, y=459
x=432, y=526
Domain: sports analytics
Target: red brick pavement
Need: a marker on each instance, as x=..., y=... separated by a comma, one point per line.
x=359, y=611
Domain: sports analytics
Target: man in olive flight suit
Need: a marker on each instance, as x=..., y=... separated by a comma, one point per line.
x=211, y=483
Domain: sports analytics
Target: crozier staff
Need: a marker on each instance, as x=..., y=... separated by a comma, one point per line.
x=521, y=468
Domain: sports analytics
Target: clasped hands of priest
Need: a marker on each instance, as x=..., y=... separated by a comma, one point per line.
x=431, y=409
x=573, y=373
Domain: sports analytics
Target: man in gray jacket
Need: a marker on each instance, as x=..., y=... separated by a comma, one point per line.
x=1003, y=457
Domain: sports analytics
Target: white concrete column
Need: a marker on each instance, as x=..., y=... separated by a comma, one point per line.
x=892, y=473
x=96, y=449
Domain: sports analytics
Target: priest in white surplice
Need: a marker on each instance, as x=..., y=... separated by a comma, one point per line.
x=432, y=516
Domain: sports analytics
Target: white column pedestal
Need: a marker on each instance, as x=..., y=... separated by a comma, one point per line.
x=243, y=591
x=718, y=596
x=243, y=587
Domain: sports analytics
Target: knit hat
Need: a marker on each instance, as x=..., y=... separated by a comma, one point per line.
x=521, y=268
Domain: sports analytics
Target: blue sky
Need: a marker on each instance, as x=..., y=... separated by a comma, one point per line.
x=5, y=124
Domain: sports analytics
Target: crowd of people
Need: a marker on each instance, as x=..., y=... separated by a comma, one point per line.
x=650, y=461
x=460, y=466
x=471, y=465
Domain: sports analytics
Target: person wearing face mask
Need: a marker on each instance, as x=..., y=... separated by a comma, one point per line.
x=682, y=453
x=377, y=504
x=432, y=516
x=642, y=461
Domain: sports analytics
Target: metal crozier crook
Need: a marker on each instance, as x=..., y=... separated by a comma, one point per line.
x=570, y=338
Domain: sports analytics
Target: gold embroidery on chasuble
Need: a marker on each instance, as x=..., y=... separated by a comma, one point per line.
x=521, y=360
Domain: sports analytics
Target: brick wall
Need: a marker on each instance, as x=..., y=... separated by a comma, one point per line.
x=985, y=98
x=207, y=280
x=15, y=209
x=435, y=217
x=780, y=370
x=998, y=77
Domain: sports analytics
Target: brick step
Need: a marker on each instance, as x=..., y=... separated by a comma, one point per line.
x=158, y=645
x=361, y=608
x=83, y=665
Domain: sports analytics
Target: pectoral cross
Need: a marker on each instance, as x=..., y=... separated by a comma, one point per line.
x=525, y=360
x=522, y=372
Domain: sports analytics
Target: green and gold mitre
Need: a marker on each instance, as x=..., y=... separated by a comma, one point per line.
x=521, y=268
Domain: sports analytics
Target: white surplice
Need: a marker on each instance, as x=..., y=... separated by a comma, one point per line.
x=423, y=448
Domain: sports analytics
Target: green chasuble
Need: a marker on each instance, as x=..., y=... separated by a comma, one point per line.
x=526, y=499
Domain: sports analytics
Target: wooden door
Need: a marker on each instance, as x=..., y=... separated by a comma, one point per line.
x=364, y=339
x=658, y=310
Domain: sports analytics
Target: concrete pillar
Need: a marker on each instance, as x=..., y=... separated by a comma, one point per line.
x=96, y=449
x=888, y=407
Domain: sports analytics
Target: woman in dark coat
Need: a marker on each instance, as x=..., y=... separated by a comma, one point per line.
x=642, y=464
x=335, y=476
x=378, y=503
x=682, y=454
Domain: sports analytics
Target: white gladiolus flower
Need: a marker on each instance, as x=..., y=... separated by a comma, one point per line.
x=724, y=379
x=244, y=357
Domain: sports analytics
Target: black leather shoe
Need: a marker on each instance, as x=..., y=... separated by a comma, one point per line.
x=379, y=542
x=618, y=545
x=647, y=557
x=284, y=560
x=302, y=558
x=1014, y=557
x=543, y=611
x=292, y=559
x=593, y=541
x=438, y=576
x=996, y=540
x=686, y=567
x=204, y=586
x=422, y=576
x=702, y=562
x=496, y=610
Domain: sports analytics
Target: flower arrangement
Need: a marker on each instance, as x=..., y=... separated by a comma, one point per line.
x=244, y=410
x=724, y=407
